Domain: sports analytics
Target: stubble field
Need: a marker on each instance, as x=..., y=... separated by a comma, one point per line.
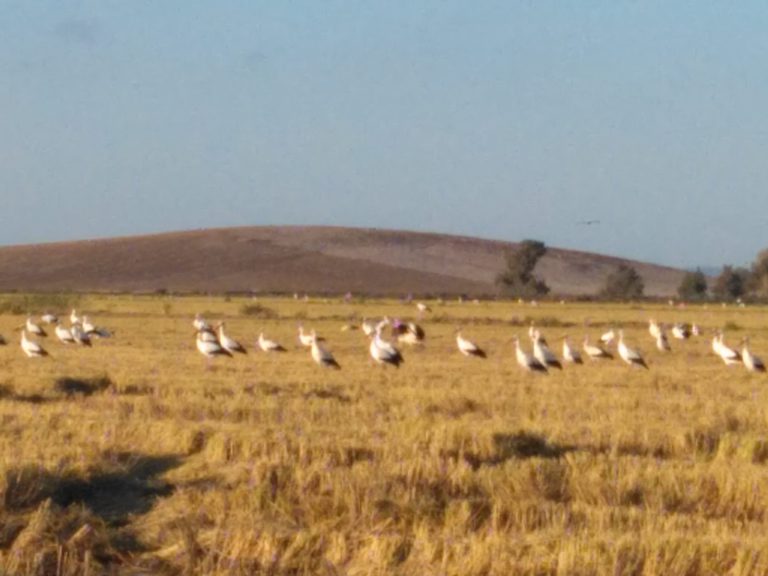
x=136, y=457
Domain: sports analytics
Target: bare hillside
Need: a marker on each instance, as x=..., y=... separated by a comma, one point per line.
x=300, y=259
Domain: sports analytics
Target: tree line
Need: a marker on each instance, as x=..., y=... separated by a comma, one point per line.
x=625, y=283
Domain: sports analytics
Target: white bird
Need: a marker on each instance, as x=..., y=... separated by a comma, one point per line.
x=595, y=352
x=543, y=354
x=630, y=356
x=49, y=318
x=31, y=349
x=93, y=330
x=307, y=339
x=662, y=342
x=73, y=317
x=695, y=330
x=269, y=345
x=680, y=332
x=368, y=326
x=229, y=344
x=468, y=348
x=608, y=337
x=64, y=334
x=751, y=362
x=654, y=329
x=80, y=336
x=210, y=349
x=200, y=324
x=571, y=354
x=727, y=354
x=33, y=328
x=527, y=361
x=384, y=352
x=408, y=333
x=321, y=355
x=421, y=307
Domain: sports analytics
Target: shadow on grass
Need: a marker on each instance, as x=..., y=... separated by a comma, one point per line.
x=520, y=445
x=328, y=394
x=8, y=393
x=70, y=386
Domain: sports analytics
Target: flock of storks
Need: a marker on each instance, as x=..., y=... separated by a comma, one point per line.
x=213, y=341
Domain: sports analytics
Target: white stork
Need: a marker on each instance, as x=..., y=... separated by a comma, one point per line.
x=543, y=354
x=571, y=354
x=662, y=342
x=751, y=362
x=680, y=332
x=467, y=347
x=49, y=318
x=80, y=336
x=269, y=345
x=408, y=333
x=210, y=348
x=595, y=352
x=527, y=361
x=384, y=352
x=728, y=355
x=200, y=324
x=31, y=349
x=608, y=337
x=229, y=344
x=64, y=334
x=73, y=317
x=368, y=327
x=307, y=339
x=629, y=355
x=33, y=328
x=654, y=329
x=92, y=330
x=321, y=355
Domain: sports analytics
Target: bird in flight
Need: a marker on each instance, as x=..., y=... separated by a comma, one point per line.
x=588, y=222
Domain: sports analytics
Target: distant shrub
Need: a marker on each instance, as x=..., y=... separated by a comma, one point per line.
x=258, y=311
x=35, y=303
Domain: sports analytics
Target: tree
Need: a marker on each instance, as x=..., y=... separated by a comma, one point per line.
x=693, y=286
x=518, y=279
x=623, y=284
x=759, y=275
x=731, y=283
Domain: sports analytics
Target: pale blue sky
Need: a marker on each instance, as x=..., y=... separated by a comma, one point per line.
x=499, y=119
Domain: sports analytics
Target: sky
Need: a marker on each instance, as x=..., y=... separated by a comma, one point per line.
x=497, y=119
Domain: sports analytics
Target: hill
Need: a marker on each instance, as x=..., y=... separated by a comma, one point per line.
x=287, y=259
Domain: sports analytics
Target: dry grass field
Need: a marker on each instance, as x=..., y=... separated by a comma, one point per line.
x=134, y=457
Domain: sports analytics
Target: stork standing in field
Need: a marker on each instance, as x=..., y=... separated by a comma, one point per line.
x=654, y=329
x=200, y=324
x=629, y=355
x=308, y=339
x=229, y=344
x=595, y=352
x=527, y=361
x=92, y=330
x=33, y=328
x=751, y=362
x=49, y=318
x=384, y=352
x=543, y=354
x=269, y=345
x=73, y=317
x=408, y=333
x=210, y=348
x=727, y=354
x=467, y=347
x=695, y=330
x=80, y=336
x=368, y=327
x=321, y=355
x=31, y=349
x=662, y=342
x=680, y=332
x=571, y=354
x=608, y=337
x=64, y=334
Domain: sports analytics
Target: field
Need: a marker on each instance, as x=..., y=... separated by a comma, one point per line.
x=136, y=457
